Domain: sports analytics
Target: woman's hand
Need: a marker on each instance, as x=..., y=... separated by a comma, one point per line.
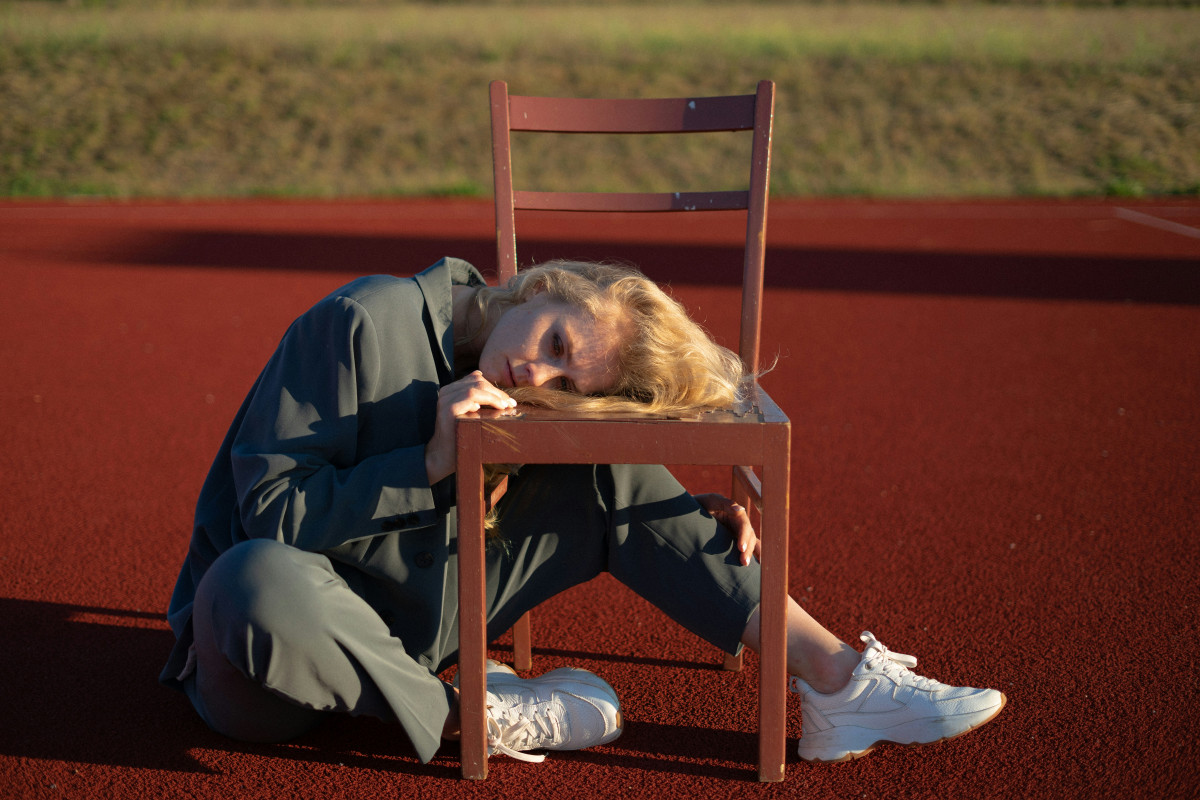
x=737, y=520
x=455, y=399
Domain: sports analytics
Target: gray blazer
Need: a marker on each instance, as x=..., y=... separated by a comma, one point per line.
x=327, y=454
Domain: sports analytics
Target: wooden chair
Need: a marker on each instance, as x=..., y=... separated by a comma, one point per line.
x=757, y=434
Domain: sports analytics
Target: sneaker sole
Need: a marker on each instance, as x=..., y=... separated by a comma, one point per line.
x=850, y=755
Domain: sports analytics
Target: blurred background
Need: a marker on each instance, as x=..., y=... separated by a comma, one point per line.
x=383, y=98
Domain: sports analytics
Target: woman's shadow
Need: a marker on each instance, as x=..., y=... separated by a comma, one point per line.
x=79, y=684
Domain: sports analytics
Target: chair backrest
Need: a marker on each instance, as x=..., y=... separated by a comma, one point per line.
x=753, y=112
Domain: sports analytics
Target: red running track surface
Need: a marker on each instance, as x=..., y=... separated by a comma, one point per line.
x=996, y=425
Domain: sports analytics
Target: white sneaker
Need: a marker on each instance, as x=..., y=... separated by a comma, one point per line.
x=885, y=702
x=565, y=709
x=489, y=667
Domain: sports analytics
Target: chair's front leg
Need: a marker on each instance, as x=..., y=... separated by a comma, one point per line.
x=772, y=699
x=472, y=611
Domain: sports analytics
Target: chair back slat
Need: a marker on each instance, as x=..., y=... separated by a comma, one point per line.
x=668, y=115
x=754, y=112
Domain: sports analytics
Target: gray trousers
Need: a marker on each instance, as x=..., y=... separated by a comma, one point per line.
x=284, y=637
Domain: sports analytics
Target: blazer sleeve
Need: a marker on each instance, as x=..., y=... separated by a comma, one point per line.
x=302, y=467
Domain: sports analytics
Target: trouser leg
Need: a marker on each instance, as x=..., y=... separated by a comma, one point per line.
x=666, y=548
x=281, y=640
x=565, y=524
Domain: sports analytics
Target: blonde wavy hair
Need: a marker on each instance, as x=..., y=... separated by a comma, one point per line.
x=666, y=362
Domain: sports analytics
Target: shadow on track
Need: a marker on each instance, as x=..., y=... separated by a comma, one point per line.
x=1044, y=277
x=79, y=684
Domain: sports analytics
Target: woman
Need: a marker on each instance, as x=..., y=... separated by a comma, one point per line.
x=321, y=574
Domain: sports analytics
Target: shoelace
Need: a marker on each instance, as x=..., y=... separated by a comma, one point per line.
x=876, y=656
x=511, y=731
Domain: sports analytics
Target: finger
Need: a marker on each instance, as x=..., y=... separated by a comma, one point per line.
x=747, y=544
x=476, y=391
x=736, y=519
x=486, y=392
x=489, y=395
x=715, y=504
x=747, y=540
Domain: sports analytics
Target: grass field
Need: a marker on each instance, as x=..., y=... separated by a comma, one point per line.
x=197, y=99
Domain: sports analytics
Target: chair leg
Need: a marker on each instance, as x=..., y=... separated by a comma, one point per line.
x=522, y=644
x=472, y=600
x=742, y=497
x=772, y=687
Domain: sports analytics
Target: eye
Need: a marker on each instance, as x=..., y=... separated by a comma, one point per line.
x=558, y=349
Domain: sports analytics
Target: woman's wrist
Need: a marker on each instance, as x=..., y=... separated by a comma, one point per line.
x=435, y=468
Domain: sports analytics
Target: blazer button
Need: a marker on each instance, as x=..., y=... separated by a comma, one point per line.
x=424, y=560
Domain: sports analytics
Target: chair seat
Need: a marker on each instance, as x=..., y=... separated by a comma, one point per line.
x=541, y=436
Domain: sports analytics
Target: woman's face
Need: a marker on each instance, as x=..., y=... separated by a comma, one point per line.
x=546, y=342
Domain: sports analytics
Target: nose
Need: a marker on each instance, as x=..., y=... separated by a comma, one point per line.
x=539, y=373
